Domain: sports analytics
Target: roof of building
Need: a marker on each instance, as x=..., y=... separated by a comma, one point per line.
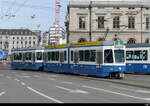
x=16, y=32
x=83, y=3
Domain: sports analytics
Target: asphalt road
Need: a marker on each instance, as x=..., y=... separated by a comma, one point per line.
x=18, y=86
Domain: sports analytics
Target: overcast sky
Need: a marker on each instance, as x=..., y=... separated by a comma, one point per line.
x=19, y=13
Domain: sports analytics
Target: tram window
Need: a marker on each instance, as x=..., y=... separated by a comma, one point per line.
x=65, y=55
x=129, y=55
x=81, y=55
x=23, y=56
x=138, y=55
x=49, y=56
x=108, y=56
x=71, y=55
x=87, y=55
x=119, y=56
x=53, y=56
x=145, y=55
x=30, y=56
x=57, y=56
x=39, y=55
x=45, y=57
x=92, y=55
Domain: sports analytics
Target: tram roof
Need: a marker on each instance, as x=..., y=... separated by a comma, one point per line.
x=138, y=45
x=25, y=49
x=96, y=43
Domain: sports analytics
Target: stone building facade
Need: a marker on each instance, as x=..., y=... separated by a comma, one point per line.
x=108, y=20
x=17, y=38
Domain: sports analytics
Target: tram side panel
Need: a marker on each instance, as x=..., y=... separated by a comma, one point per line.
x=87, y=61
x=138, y=60
x=56, y=60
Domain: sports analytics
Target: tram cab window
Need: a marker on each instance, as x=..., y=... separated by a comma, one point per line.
x=108, y=56
x=119, y=56
x=39, y=55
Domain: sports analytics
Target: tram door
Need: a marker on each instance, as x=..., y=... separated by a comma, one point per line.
x=33, y=57
x=61, y=59
x=76, y=62
x=99, y=60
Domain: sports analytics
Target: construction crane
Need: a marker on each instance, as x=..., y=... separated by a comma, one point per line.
x=57, y=20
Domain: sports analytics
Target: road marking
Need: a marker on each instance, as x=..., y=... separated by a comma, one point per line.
x=8, y=77
x=23, y=76
x=17, y=80
x=50, y=98
x=53, y=79
x=117, y=93
x=138, y=91
x=65, y=82
x=2, y=93
x=73, y=91
x=23, y=83
x=36, y=76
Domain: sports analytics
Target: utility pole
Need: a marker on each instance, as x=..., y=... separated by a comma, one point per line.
x=90, y=21
x=141, y=24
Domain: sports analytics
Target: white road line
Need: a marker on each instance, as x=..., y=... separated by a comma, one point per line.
x=8, y=77
x=133, y=90
x=117, y=93
x=36, y=76
x=50, y=98
x=66, y=82
x=17, y=80
x=23, y=83
x=2, y=93
x=53, y=79
x=73, y=91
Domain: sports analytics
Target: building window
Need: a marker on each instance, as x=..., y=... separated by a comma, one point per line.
x=100, y=22
x=82, y=22
x=147, y=22
x=116, y=7
x=82, y=40
x=131, y=8
x=131, y=22
x=131, y=41
x=116, y=22
x=147, y=40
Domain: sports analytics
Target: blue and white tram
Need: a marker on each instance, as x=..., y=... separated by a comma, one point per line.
x=100, y=59
x=138, y=58
x=56, y=58
x=89, y=58
x=27, y=58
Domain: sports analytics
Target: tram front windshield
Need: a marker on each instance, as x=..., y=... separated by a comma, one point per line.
x=119, y=56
